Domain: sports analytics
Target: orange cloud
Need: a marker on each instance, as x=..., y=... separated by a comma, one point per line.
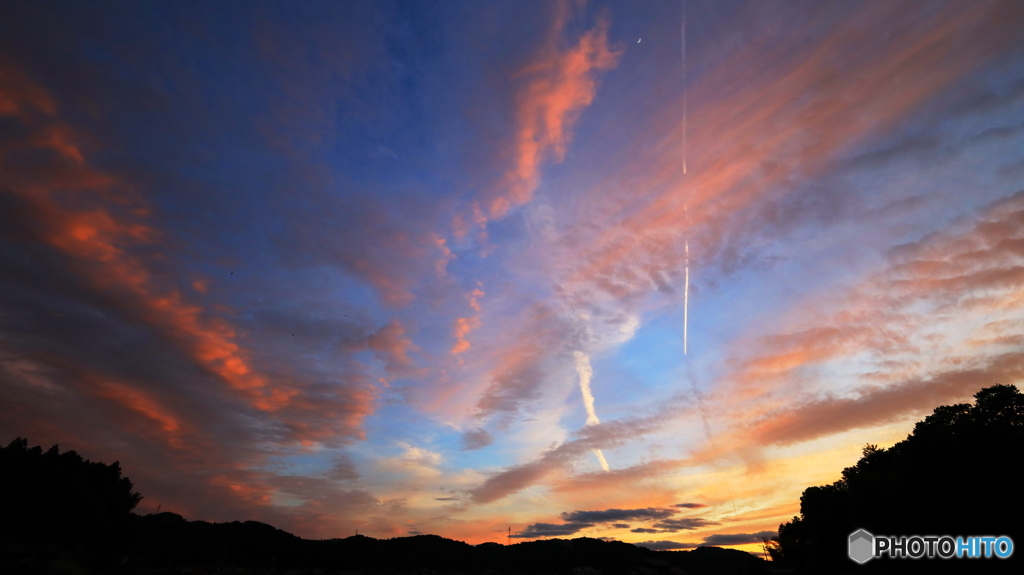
x=441, y=265
x=394, y=290
x=751, y=131
x=556, y=87
x=339, y=413
x=392, y=346
x=464, y=325
x=100, y=241
x=877, y=406
x=19, y=96
x=168, y=426
x=102, y=234
x=245, y=489
x=139, y=402
x=934, y=298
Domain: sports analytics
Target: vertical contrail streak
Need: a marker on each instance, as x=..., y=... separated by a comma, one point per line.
x=586, y=373
x=686, y=299
x=683, y=41
x=686, y=206
x=686, y=246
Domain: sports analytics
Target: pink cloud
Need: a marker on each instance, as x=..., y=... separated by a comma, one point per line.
x=554, y=90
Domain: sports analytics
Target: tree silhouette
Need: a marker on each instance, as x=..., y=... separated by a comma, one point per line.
x=61, y=498
x=954, y=475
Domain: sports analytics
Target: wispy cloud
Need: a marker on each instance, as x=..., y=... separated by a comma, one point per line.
x=666, y=545
x=648, y=513
x=551, y=530
x=586, y=373
x=608, y=434
x=554, y=89
x=739, y=538
x=250, y=261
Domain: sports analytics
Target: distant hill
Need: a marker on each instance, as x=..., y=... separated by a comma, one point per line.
x=64, y=514
x=170, y=541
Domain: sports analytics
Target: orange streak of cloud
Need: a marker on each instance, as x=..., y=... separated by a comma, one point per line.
x=745, y=120
x=465, y=325
x=558, y=85
x=139, y=402
x=99, y=243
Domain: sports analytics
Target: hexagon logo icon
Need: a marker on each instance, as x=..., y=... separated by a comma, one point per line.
x=861, y=546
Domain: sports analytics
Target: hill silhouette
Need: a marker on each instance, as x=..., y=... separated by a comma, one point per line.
x=64, y=514
x=957, y=474
x=954, y=475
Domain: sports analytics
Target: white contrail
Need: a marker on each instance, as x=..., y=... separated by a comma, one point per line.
x=686, y=299
x=686, y=204
x=683, y=36
x=586, y=373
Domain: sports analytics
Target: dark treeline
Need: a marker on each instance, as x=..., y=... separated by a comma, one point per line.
x=959, y=474
x=60, y=498
x=62, y=514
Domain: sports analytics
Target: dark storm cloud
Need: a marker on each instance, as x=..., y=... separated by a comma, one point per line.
x=609, y=515
x=731, y=539
x=739, y=538
x=672, y=525
x=666, y=545
x=551, y=530
x=690, y=505
x=675, y=525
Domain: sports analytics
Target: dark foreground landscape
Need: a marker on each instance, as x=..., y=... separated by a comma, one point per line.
x=67, y=515
x=957, y=474
x=166, y=542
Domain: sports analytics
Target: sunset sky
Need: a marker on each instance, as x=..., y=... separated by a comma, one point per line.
x=421, y=267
